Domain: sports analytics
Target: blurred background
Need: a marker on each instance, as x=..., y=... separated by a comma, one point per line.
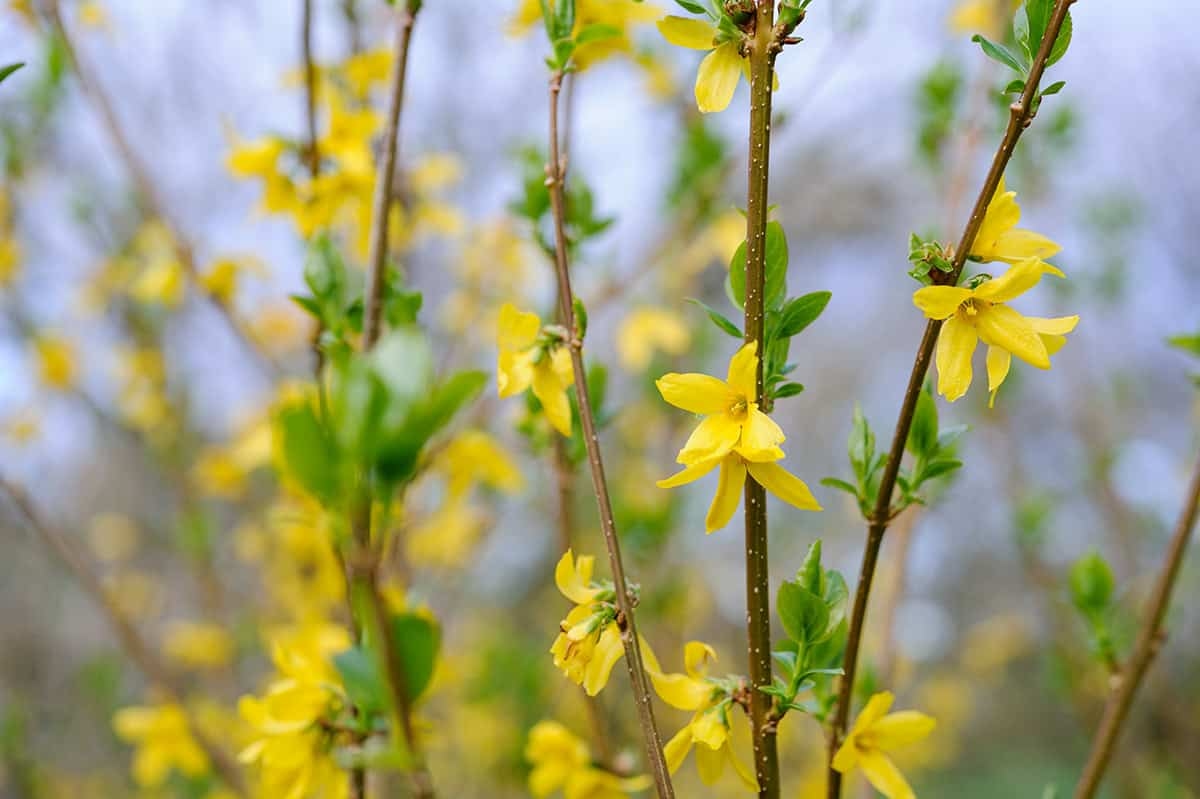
x=135, y=388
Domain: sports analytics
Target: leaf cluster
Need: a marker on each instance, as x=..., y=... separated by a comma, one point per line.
x=1028, y=29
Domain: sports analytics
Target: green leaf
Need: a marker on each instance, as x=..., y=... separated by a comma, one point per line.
x=596, y=33
x=811, y=575
x=361, y=677
x=688, y=5
x=416, y=639
x=310, y=456
x=10, y=69
x=922, y=436
x=840, y=485
x=737, y=276
x=1054, y=88
x=581, y=318
x=1062, y=42
x=723, y=323
x=775, y=278
x=800, y=312
x=1091, y=582
x=787, y=390
x=939, y=468
x=403, y=361
x=998, y=52
x=402, y=438
x=1188, y=344
x=861, y=445
x=803, y=613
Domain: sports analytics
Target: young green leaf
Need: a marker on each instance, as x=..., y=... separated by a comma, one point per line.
x=722, y=323
x=416, y=639
x=800, y=312
x=1000, y=53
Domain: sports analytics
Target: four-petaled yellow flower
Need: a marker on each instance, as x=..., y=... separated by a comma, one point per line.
x=876, y=732
x=978, y=313
x=709, y=730
x=561, y=759
x=529, y=359
x=588, y=644
x=647, y=330
x=163, y=739
x=734, y=435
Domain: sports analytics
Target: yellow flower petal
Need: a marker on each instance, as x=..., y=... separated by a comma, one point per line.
x=1004, y=327
x=743, y=372
x=898, y=729
x=694, y=34
x=548, y=388
x=1002, y=214
x=955, y=346
x=729, y=493
x=998, y=362
x=715, y=436
x=1057, y=326
x=690, y=474
x=710, y=763
x=718, y=78
x=784, y=485
x=760, y=432
x=883, y=774
x=516, y=330
x=695, y=393
x=1016, y=245
x=875, y=709
x=1019, y=279
x=696, y=655
x=573, y=577
x=676, y=750
x=608, y=651
x=940, y=302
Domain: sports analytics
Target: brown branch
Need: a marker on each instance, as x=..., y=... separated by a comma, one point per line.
x=385, y=177
x=762, y=51
x=1150, y=640
x=1021, y=114
x=555, y=181
x=147, y=190
x=142, y=655
x=312, y=151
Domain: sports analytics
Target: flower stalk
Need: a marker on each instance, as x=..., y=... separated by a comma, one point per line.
x=1149, y=641
x=556, y=173
x=1021, y=114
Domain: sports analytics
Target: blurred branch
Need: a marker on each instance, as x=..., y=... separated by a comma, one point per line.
x=312, y=151
x=143, y=656
x=148, y=191
x=556, y=175
x=1021, y=114
x=1150, y=640
x=377, y=255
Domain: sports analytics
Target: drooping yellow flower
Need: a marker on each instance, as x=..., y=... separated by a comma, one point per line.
x=562, y=760
x=56, y=361
x=999, y=239
x=163, y=742
x=982, y=312
x=588, y=644
x=876, y=732
x=529, y=359
x=647, y=330
x=734, y=435
x=989, y=17
x=710, y=730
x=198, y=645
x=289, y=744
x=721, y=69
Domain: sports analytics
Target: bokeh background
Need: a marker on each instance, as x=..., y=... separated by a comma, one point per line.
x=158, y=469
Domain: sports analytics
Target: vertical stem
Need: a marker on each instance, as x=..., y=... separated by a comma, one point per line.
x=140, y=652
x=555, y=180
x=1150, y=640
x=762, y=51
x=1021, y=114
x=385, y=177
x=312, y=151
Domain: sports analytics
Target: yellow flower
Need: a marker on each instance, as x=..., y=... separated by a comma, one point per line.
x=198, y=645
x=56, y=362
x=620, y=15
x=982, y=16
x=999, y=239
x=719, y=72
x=160, y=278
x=365, y=70
x=291, y=748
x=135, y=594
x=255, y=159
x=982, y=313
x=10, y=260
x=475, y=457
x=873, y=735
x=223, y=275
x=589, y=643
x=711, y=701
x=163, y=741
x=560, y=759
x=529, y=359
x=646, y=330
x=93, y=15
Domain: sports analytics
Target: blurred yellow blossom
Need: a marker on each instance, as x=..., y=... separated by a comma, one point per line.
x=112, y=537
x=474, y=457
x=57, y=362
x=989, y=17
x=875, y=733
x=562, y=761
x=135, y=594
x=992, y=645
x=10, y=260
x=618, y=15
x=647, y=330
x=588, y=644
x=23, y=426
x=92, y=14
x=198, y=645
x=163, y=742
x=446, y=537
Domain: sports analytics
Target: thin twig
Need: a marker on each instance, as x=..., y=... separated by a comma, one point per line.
x=762, y=52
x=312, y=152
x=1021, y=114
x=377, y=254
x=142, y=655
x=148, y=191
x=1149, y=642
x=555, y=181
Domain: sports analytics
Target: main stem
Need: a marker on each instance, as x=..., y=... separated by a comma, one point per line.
x=385, y=179
x=758, y=586
x=141, y=653
x=1150, y=639
x=556, y=175
x=1021, y=114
